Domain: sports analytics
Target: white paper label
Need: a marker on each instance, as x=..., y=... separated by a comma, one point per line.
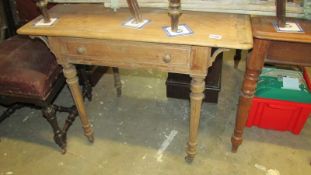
x=215, y=36
x=291, y=83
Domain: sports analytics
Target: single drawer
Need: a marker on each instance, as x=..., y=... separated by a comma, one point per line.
x=128, y=53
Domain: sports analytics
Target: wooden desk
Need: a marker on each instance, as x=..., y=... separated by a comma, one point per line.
x=92, y=34
x=273, y=47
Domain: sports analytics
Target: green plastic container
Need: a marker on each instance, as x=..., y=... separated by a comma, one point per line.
x=283, y=84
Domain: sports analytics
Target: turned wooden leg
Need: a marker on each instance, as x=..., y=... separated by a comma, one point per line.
x=70, y=119
x=72, y=114
x=174, y=12
x=134, y=9
x=49, y=113
x=42, y=4
x=254, y=65
x=281, y=12
x=70, y=73
x=196, y=97
x=117, y=81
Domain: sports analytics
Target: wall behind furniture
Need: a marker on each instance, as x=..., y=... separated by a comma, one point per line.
x=257, y=7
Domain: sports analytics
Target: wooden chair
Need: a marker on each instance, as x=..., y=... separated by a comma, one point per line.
x=20, y=12
x=29, y=74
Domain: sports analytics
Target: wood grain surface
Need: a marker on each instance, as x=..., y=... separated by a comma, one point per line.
x=263, y=29
x=96, y=21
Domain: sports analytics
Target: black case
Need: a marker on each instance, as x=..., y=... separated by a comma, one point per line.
x=178, y=85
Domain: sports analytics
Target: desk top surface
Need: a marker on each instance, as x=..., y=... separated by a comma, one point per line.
x=96, y=21
x=263, y=28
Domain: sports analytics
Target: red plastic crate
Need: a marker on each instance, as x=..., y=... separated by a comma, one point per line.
x=278, y=114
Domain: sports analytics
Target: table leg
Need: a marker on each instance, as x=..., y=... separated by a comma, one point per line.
x=254, y=65
x=135, y=11
x=117, y=81
x=196, y=97
x=70, y=73
x=237, y=58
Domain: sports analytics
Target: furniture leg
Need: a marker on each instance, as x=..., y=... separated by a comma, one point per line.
x=10, y=110
x=42, y=4
x=237, y=58
x=134, y=9
x=281, y=12
x=72, y=114
x=254, y=65
x=49, y=113
x=196, y=97
x=174, y=12
x=64, y=109
x=70, y=119
x=117, y=81
x=86, y=84
x=70, y=73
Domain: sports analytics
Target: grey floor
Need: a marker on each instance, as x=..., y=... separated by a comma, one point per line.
x=133, y=131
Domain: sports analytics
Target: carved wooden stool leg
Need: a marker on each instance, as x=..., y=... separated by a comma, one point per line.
x=49, y=113
x=117, y=81
x=70, y=119
x=72, y=81
x=64, y=109
x=73, y=113
x=254, y=65
x=196, y=97
x=9, y=111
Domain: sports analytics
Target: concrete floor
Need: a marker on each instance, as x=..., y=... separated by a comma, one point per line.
x=131, y=129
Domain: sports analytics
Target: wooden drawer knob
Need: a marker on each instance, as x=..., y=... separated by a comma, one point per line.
x=167, y=58
x=81, y=50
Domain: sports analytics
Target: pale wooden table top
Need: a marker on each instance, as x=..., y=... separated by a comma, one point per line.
x=96, y=21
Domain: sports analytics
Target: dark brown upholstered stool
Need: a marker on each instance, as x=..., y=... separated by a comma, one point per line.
x=26, y=10
x=30, y=74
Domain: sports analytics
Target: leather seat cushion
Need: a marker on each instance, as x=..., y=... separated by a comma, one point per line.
x=27, y=68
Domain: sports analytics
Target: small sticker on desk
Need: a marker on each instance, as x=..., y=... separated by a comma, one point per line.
x=41, y=23
x=131, y=23
x=215, y=36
